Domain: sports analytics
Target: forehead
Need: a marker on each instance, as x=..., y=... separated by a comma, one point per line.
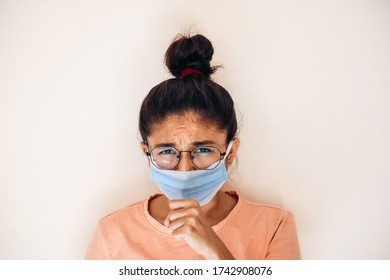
x=185, y=130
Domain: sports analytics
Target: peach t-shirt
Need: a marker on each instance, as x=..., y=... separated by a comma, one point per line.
x=250, y=231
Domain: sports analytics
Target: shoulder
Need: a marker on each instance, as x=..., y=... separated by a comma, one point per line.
x=123, y=216
x=262, y=206
x=262, y=212
x=251, y=203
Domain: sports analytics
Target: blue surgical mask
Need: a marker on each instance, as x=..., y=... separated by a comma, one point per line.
x=200, y=185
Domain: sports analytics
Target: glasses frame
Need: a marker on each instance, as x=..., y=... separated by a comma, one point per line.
x=221, y=156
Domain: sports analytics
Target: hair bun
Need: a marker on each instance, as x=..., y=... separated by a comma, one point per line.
x=193, y=52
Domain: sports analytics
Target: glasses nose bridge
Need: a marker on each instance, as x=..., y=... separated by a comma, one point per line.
x=180, y=152
x=188, y=163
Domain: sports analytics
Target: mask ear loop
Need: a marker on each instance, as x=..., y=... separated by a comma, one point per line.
x=228, y=149
x=229, y=160
x=212, y=166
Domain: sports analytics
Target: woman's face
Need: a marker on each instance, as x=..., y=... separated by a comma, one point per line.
x=185, y=132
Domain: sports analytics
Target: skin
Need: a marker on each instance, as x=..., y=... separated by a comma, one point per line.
x=188, y=220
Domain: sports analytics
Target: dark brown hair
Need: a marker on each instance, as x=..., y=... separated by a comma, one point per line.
x=193, y=93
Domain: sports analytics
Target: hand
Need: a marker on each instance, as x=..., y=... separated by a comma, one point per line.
x=188, y=223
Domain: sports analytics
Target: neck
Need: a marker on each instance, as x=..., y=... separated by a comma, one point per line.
x=214, y=206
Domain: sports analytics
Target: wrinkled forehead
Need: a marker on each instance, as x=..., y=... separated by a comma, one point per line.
x=185, y=121
x=185, y=130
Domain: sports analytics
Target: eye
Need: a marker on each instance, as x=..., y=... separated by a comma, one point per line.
x=165, y=151
x=202, y=150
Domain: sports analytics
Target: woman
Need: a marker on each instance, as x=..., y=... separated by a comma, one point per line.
x=189, y=134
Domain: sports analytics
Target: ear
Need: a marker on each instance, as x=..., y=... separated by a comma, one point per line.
x=144, y=148
x=233, y=151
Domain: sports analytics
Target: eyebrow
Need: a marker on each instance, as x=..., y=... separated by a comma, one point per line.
x=204, y=142
x=196, y=143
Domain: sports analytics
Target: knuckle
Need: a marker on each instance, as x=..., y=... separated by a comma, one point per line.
x=190, y=229
x=193, y=211
x=178, y=236
x=192, y=222
x=194, y=203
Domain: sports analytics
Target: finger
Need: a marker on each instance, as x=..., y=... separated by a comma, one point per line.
x=183, y=203
x=174, y=225
x=179, y=235
x=177, y=206
x=181, y=213
x=190, y=223
x=183, y=230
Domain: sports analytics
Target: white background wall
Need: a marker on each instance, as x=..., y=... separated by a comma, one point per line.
x=311, y=80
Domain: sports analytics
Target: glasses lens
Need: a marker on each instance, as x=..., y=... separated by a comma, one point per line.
x=204, y=157
x=165, y=157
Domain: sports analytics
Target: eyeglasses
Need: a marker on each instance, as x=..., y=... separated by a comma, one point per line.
x=203, y=157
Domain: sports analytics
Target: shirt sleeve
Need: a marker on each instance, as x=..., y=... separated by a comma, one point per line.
x=98, y=248
x=284, y=244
